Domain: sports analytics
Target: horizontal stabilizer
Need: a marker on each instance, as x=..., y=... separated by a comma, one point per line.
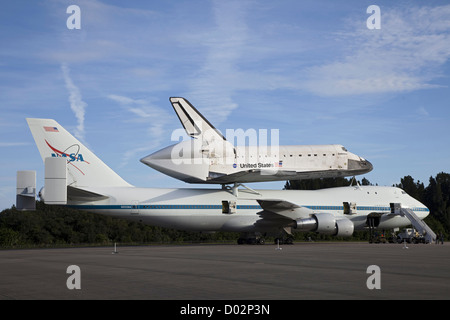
x=26, y=190
x=76, y=194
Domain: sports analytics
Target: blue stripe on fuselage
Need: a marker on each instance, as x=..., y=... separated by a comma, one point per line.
x=209, y=206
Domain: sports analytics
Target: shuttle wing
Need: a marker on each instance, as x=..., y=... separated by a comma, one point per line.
x=254, y=175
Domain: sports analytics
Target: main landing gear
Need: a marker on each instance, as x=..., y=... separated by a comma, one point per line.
x=256, y=240
x=251, y=238
x=259, y=239
x=288, y=240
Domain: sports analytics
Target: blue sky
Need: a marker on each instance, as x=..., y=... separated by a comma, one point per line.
x=311, y=69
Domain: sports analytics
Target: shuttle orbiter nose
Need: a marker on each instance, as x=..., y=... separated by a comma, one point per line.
x=358, y=165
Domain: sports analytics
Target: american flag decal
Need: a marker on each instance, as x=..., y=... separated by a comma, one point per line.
x=51, y=129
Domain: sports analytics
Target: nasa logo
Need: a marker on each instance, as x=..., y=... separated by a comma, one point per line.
x=234, y=165
x=72, y=153
x=72, y=157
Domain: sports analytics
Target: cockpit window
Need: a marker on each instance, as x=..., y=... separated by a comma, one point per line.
x=343, y=148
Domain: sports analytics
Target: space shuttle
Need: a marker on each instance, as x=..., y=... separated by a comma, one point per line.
x=209, y=158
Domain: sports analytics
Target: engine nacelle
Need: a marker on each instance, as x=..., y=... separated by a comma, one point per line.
x=344, y=227
x=325, y=223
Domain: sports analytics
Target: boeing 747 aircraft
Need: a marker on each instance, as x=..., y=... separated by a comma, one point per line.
x=210, y=158
x=75, y=177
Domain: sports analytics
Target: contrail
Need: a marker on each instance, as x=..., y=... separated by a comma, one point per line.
x=77, y=105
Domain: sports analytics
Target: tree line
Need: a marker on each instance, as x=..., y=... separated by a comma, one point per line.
x=63, y=226
x=59, y=226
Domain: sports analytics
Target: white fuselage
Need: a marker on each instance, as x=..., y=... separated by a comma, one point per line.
x=201, y=209
x=191, y=162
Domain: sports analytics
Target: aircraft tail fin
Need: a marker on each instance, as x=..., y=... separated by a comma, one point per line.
x=84, y=168
x=193, y=121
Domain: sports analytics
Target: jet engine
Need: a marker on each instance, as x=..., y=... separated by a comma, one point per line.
x=325, y=223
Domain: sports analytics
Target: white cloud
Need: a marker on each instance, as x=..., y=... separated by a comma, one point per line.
x=218, y=78
x=154, y=119
x=421, y=111
x=404, y=55
x=13, y=144
x=141, y=108
x=77, y=104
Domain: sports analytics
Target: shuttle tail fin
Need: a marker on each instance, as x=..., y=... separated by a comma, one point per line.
x=194, y=122
x=197, y=126
x=84, y=168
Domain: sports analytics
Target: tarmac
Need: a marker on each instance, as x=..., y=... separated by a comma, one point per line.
x=303, y=271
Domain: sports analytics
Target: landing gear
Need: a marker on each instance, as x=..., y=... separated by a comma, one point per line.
x=288, y=240
x=247, y=238
x=251, y=239
x=372, y=222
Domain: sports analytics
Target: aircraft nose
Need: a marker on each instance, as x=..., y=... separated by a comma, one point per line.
x=360, y=166
x=367, y=164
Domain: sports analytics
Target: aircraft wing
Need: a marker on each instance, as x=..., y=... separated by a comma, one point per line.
x=275, y=208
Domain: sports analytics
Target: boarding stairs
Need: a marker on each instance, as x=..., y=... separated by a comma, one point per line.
x=419, y=225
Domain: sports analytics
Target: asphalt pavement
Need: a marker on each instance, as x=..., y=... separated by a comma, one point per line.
x=339, y=270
